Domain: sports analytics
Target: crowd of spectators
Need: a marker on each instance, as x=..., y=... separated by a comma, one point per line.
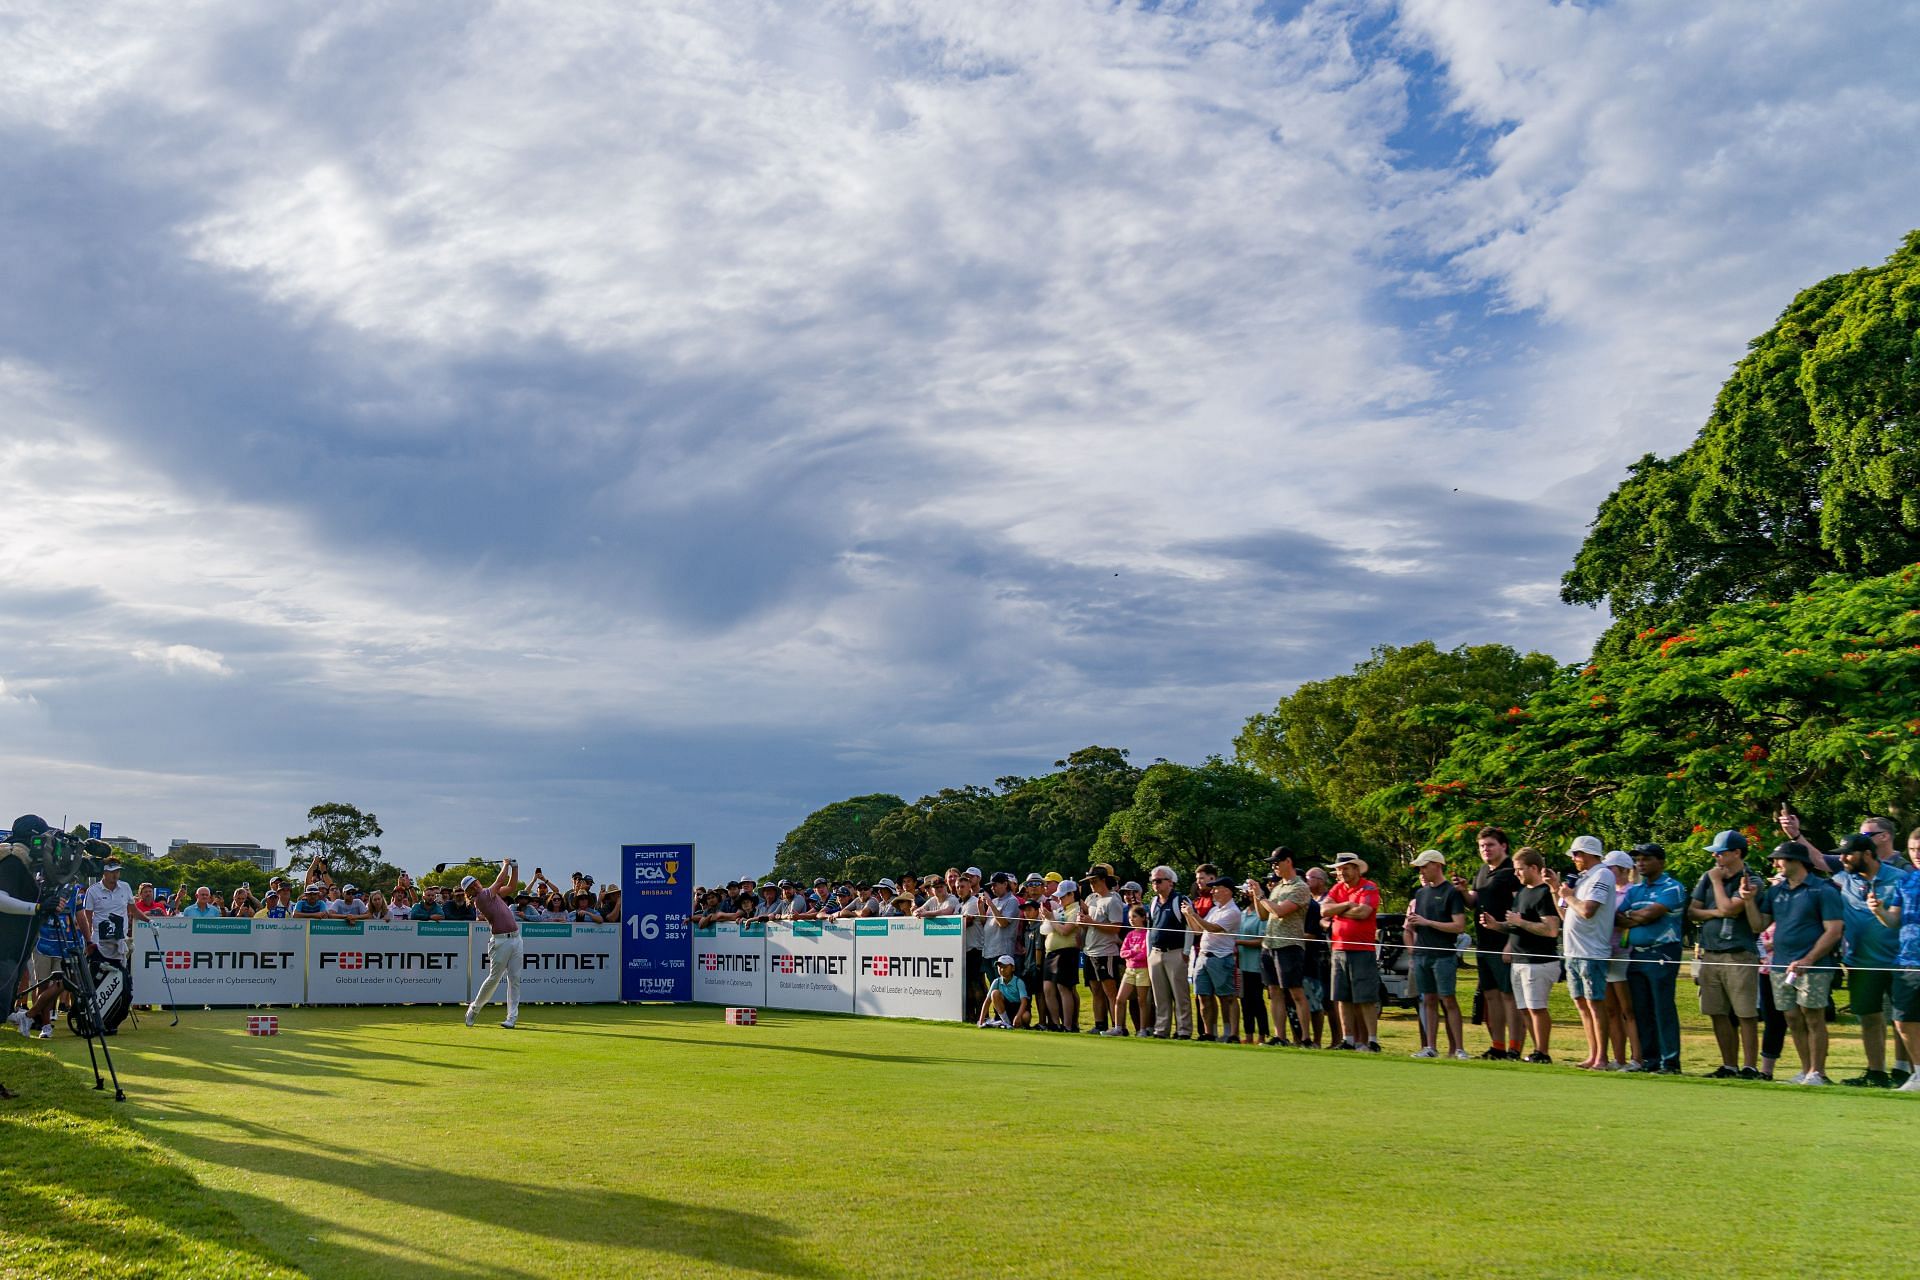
x=318, y=897
x=1294, y=958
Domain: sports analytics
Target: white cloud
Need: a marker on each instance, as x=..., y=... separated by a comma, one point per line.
x=944, y=314
x=178, y=658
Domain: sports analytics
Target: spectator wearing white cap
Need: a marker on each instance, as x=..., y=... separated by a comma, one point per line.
x=1008, y=1003
x=1167, y=957
x=1586, y=910
x=1620, y=1031
x=1060, y=929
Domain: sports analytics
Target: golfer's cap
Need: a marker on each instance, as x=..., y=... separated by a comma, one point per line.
x=1005, y=960
x=1132, y=886
x=1617, y=861
x=1727, y=841
x=1588, y=845
x=1065, y=887
x=1430, y=857
x=972, y=871
x=111, y=864
x=467, y=882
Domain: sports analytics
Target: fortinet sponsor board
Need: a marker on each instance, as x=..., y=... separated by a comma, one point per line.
x=576, y=963
x=219, y=961
x=907, y=968
x=810, y=965
x=730, y=964
x=405, y=962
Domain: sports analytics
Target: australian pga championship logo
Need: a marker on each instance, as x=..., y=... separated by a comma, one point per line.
x=664, y=872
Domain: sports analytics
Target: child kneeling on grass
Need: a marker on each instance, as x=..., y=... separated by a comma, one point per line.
x=1007, y=1003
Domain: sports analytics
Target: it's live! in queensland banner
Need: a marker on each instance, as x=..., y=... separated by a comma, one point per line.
x=656, y=900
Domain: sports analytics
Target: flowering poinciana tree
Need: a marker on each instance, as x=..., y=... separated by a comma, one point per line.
x=1813, y=702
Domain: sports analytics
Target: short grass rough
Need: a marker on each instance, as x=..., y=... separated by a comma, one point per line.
x=656, y=1141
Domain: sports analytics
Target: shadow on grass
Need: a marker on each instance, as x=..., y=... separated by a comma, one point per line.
x=908, y=1059
x=82, y=1193
x=587, y=1218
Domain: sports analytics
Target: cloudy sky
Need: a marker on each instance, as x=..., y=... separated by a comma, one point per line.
x=554, y=426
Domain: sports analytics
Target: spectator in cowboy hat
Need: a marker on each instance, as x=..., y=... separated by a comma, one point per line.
x=1353, y=906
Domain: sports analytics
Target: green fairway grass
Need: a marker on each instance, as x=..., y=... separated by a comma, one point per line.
x=653, y=1140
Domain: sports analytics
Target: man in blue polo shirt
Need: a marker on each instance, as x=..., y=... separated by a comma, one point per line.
x=1808, y=921
x=1871, y=949
x=1653, y=908
x=1902, y=913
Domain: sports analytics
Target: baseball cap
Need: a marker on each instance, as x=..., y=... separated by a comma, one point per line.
x=1052, y=877
x=819, y=880
x=466, y=882
x=350, y=888
x=1282, y=854
x=1617, y=860
x=786, y=884
x=1002, y=877
x=1648, y=849
x=1589, y=845
x=314, y=887
x=1428, y=857
x=1132, y=886
x=1064, y=887
x=1858, y=842
x=972, y=871
x=1728, y=840
x=1005, y=960
x=111, y=864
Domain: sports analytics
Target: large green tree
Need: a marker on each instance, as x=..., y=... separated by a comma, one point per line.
x=1342, y=739
x=1218, y=812
x=344, y=835
x=1813, y=702
x=837, y=842
x=1808, y=465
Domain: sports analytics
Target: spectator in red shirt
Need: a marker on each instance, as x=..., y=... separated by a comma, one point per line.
x=1353, y=907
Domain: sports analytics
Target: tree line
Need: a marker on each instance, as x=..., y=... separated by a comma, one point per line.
x=1764, y=650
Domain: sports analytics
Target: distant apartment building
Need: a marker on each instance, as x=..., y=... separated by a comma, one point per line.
x=129, y=846
x=265, y=859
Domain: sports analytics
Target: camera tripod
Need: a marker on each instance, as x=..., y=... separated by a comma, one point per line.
x=86, y=1018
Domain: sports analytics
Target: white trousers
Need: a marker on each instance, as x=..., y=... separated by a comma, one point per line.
x=504, y=960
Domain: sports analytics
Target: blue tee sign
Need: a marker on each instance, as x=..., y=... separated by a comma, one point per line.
x=656, y=902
